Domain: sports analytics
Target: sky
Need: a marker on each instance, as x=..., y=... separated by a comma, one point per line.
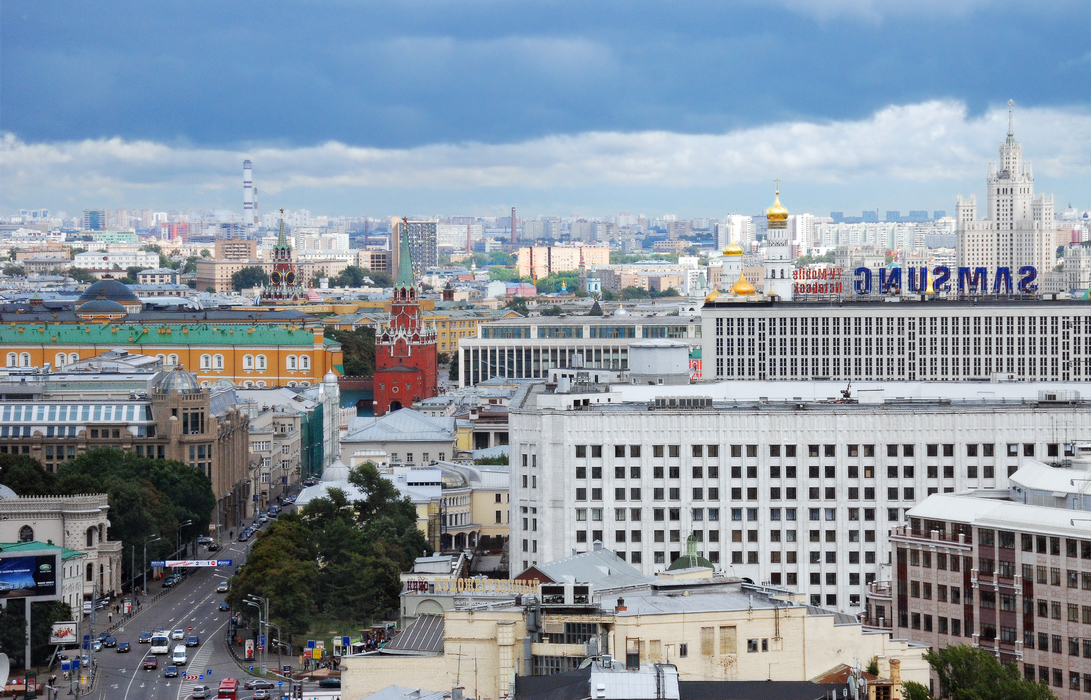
x=438, y=107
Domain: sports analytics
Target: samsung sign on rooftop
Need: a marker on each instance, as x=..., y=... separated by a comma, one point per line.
x=967, y=280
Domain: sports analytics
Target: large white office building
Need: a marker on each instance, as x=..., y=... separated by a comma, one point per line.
x=794, y=484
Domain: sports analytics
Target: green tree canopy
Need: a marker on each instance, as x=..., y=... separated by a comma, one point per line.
x=13, y=631
x=25, y=476
x=335, y=558
x=351, y=276
x=503, y=274
x=380, y=278
x=517, y=304
x=968, y=673
x=249, y=277
x=358, y=348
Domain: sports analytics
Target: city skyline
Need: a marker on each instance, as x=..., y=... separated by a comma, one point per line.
x=558, y=109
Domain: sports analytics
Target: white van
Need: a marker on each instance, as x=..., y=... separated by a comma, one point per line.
x=178, y=658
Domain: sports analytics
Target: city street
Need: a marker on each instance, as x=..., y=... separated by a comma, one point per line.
x=192, y=606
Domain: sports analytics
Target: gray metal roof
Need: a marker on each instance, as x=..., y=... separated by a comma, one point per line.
x=423, y=636
x=601, y=568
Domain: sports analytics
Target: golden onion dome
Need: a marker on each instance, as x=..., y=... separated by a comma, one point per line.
x=742, y=287
x=712, y=296
x=733, y=250
x=777, y=212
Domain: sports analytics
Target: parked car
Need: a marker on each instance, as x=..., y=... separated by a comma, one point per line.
x=171, y=672
x=193, y=641
x=150, y=662
x=97, y=645
x=123, y=647
x=201, y=691
x=329, y=683
x=243, y=536
x=109, y=642
x=215, y=546
x=205, y=540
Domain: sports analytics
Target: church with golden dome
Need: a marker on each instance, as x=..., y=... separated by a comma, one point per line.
x=778, y=262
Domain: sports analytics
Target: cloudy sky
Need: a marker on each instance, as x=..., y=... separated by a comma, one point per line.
x=431, y=107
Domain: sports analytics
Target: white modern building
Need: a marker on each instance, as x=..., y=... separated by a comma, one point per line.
x=794, y=484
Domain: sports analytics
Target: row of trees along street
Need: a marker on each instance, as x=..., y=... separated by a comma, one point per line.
x=146, y=497
x=336, y=560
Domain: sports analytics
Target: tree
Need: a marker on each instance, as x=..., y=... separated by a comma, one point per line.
x=380, y=278
x=351, y=276
x=499, y=459
x=503, y=274
x=968, y=673
x=131, y=274
x=81, y=275
x=358, y=350
x=190, y=264
x=14, y=271
x=552, y=311
x=517, y=304
x=249, y=277
x=42, y=617
x=13, y=631
x=25, y=476
x=206, y=253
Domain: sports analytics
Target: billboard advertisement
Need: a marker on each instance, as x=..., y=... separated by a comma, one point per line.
x=63, y=633
x=29, y=575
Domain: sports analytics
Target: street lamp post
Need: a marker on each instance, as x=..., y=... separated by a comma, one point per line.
x=144, y=572
x=263, y=627
x=181, y=525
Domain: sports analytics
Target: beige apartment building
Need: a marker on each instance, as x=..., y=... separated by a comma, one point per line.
x=536, y=262
x=711, y=629
x=235, y=249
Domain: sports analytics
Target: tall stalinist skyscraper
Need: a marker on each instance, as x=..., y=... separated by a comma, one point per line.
x=1019, y=227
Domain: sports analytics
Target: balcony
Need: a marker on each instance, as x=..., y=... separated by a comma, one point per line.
x=880, y=589
x=903, y=533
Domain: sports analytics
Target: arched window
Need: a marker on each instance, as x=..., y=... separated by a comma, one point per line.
x=58, y=361
x=73, y=358
x=248, y=385
x=304, y=361
x=91, y=531
x=24, y=360
x=162, y=358
x=217, y=362
x=291, y=383
x=26, y=534
x=304, y=383
x=13, y=360
x=172, y=360
x=90, y=572
x=261, y=362
x=206, y=361
x=205, y=384
x=261, y=384
x=291, y=362
x=248, y=362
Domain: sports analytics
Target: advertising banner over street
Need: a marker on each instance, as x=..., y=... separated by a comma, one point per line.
x=186, y=563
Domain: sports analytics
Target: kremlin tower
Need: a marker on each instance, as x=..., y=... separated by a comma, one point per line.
x=283, y=287
x=406, y=362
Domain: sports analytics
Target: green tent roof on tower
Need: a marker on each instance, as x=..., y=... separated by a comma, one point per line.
x=405, y=261
x=282, y=237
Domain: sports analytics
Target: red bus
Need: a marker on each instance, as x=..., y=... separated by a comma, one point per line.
x=229, y=689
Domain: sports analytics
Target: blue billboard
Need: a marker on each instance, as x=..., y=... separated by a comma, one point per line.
x=28, y=576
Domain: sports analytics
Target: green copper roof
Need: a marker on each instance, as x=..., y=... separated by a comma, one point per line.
x=140, y=334
x=32, y=546
x=405, y=261
x=282, y=237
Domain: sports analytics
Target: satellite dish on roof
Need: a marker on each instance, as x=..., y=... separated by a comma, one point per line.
x=5, y=669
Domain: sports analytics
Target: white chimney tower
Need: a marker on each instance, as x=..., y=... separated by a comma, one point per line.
x=247, y=193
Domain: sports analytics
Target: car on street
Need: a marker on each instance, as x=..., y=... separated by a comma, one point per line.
x=329, y=683
x=109, y=642
x=150, y=662
x=224, y=606
x=171, y=672
x=97, y=645
x=213, y=547
x=200, y=691
x=193, y=641
x=123, y=647
x=243, y=536
x=222, y=587
x=178, y=634
x=85, y=660
x=168, y=582
x=205, y=540
x=260, y=695
x=258, y=684
x=145, y=637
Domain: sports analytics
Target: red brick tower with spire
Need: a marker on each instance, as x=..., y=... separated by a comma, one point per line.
x=406, y=361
